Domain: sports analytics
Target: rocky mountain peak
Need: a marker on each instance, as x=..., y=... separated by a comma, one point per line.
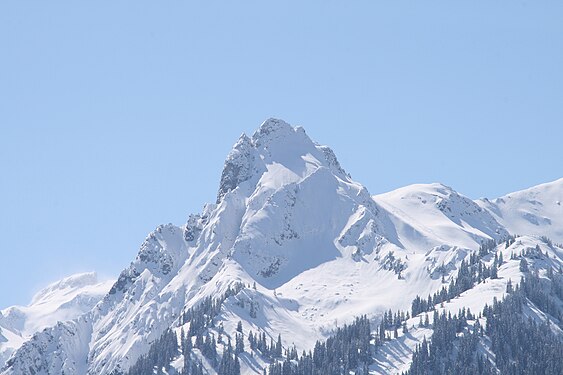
x=270, y=130
x=238, y=166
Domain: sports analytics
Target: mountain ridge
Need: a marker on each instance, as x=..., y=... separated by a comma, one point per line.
x=290, y=221
x=62, y=300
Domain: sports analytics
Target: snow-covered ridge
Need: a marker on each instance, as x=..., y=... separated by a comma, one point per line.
x=429, y=215
x=289, y=220
x=60, y=301
x=73, y=282
x=537, y=210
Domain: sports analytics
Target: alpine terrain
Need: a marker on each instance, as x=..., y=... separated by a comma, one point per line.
x=66, y=299
x=298, y=269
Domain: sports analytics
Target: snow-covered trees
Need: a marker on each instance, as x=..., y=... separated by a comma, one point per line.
x=160, y=354
x=347, y=349
x=519, y=343
x=523, y=265
x=522, y=345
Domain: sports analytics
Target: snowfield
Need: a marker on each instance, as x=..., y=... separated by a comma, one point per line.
x=312, y=250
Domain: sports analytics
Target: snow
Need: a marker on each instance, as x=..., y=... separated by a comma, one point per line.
x=60, y=301
x=320, y=249
x=534, y=211
x=394, y=357
x=429, y=215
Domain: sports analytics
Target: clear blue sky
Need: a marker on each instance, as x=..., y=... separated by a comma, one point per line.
x=116, y=116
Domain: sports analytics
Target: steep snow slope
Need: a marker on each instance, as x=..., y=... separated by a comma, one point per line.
x=61, y=301
x=290, y=220
x=535, y=211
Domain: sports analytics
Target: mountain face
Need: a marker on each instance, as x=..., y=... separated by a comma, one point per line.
x=294, y=247
x=64, y=300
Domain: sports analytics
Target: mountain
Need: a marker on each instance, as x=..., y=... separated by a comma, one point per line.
x=292, y=252
x=536, y=211
x=63, y=300
x=434, y=214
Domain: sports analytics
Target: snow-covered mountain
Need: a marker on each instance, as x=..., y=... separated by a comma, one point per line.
x=537, y=211
x=61, y=301
x=293, y=247
x=434, y=214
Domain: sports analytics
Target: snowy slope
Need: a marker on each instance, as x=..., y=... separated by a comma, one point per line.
x=434, y=214
x=61, y=301
x=288, y=219
x=395, y=356
x=535, y=211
